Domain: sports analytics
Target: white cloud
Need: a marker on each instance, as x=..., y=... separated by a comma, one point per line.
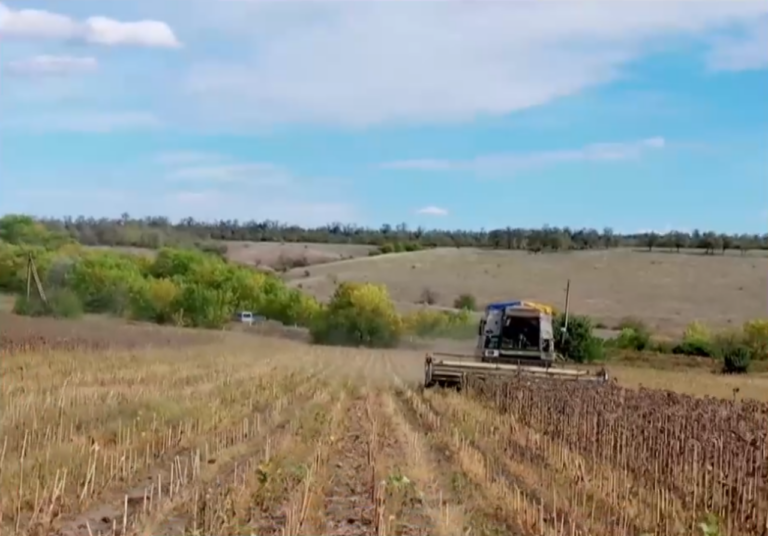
x=514, y=162
x=41, y=24
x=148, y=33
x=263, y=174
x=364, y=63
x=52, y=65
x=741, y=54
x=432, y=211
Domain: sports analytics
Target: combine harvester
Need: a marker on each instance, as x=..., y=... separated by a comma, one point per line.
x=513, y=339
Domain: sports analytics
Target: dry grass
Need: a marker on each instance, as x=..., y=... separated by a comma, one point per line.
x=666, y=290
x=274, y=255
x=141, y=430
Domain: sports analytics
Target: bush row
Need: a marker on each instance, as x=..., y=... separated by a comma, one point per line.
x=735, y=348
x=188, y=287
x=396, y=247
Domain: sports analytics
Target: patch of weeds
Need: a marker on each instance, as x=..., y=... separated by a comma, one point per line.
x=460, y=484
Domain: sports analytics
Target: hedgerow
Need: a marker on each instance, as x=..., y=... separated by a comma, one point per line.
x=181, y=286
x=188, y=287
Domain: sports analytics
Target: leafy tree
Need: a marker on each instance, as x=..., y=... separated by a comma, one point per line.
x=680, y=241
x=650, y=240
x=358, y=315
x=157, y=232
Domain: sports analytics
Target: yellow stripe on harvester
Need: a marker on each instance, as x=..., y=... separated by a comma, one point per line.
x=546, y=309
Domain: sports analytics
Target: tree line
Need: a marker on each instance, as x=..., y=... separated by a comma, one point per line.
x=156, y=232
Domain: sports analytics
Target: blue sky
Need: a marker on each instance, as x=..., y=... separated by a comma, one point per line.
x=634, y=115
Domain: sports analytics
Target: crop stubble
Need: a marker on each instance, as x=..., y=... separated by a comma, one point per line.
x=278, y=438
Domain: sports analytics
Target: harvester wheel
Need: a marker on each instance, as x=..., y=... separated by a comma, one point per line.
x=428, y=380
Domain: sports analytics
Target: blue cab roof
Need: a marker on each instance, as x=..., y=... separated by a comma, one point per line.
x=503, y=305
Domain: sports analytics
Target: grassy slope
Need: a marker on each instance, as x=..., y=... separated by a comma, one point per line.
x=666, y=290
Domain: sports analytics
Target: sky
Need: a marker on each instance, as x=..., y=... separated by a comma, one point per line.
x=637, y=116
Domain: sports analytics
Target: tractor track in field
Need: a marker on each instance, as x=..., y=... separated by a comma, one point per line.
x=462, y=483
x=349, y=496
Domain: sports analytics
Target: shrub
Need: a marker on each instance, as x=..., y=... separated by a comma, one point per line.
x=578, y=344
x=465, y=301
x=399, y=247
x=632, y=339
x=736, y=358
x=155, y=301
x=756, y=337
x=412, y=246
x=697, y=341
x=65, y=304
x=358, y=315
x=695, y=347
x=29, y=307
x=696, y=331
x=633, y=323
x=62, y=303
x=591, y=351
x=635, y=334
x=102, y=281
x=431, y=323
x=663, y=346
x=13, y=265
x=203, y=307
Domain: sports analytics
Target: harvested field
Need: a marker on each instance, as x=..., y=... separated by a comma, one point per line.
x=244, y=434
x=665, y=289
x=23, y=334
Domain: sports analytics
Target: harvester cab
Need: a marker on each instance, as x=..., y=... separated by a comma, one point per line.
x=516, y=332
x=513, y=338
